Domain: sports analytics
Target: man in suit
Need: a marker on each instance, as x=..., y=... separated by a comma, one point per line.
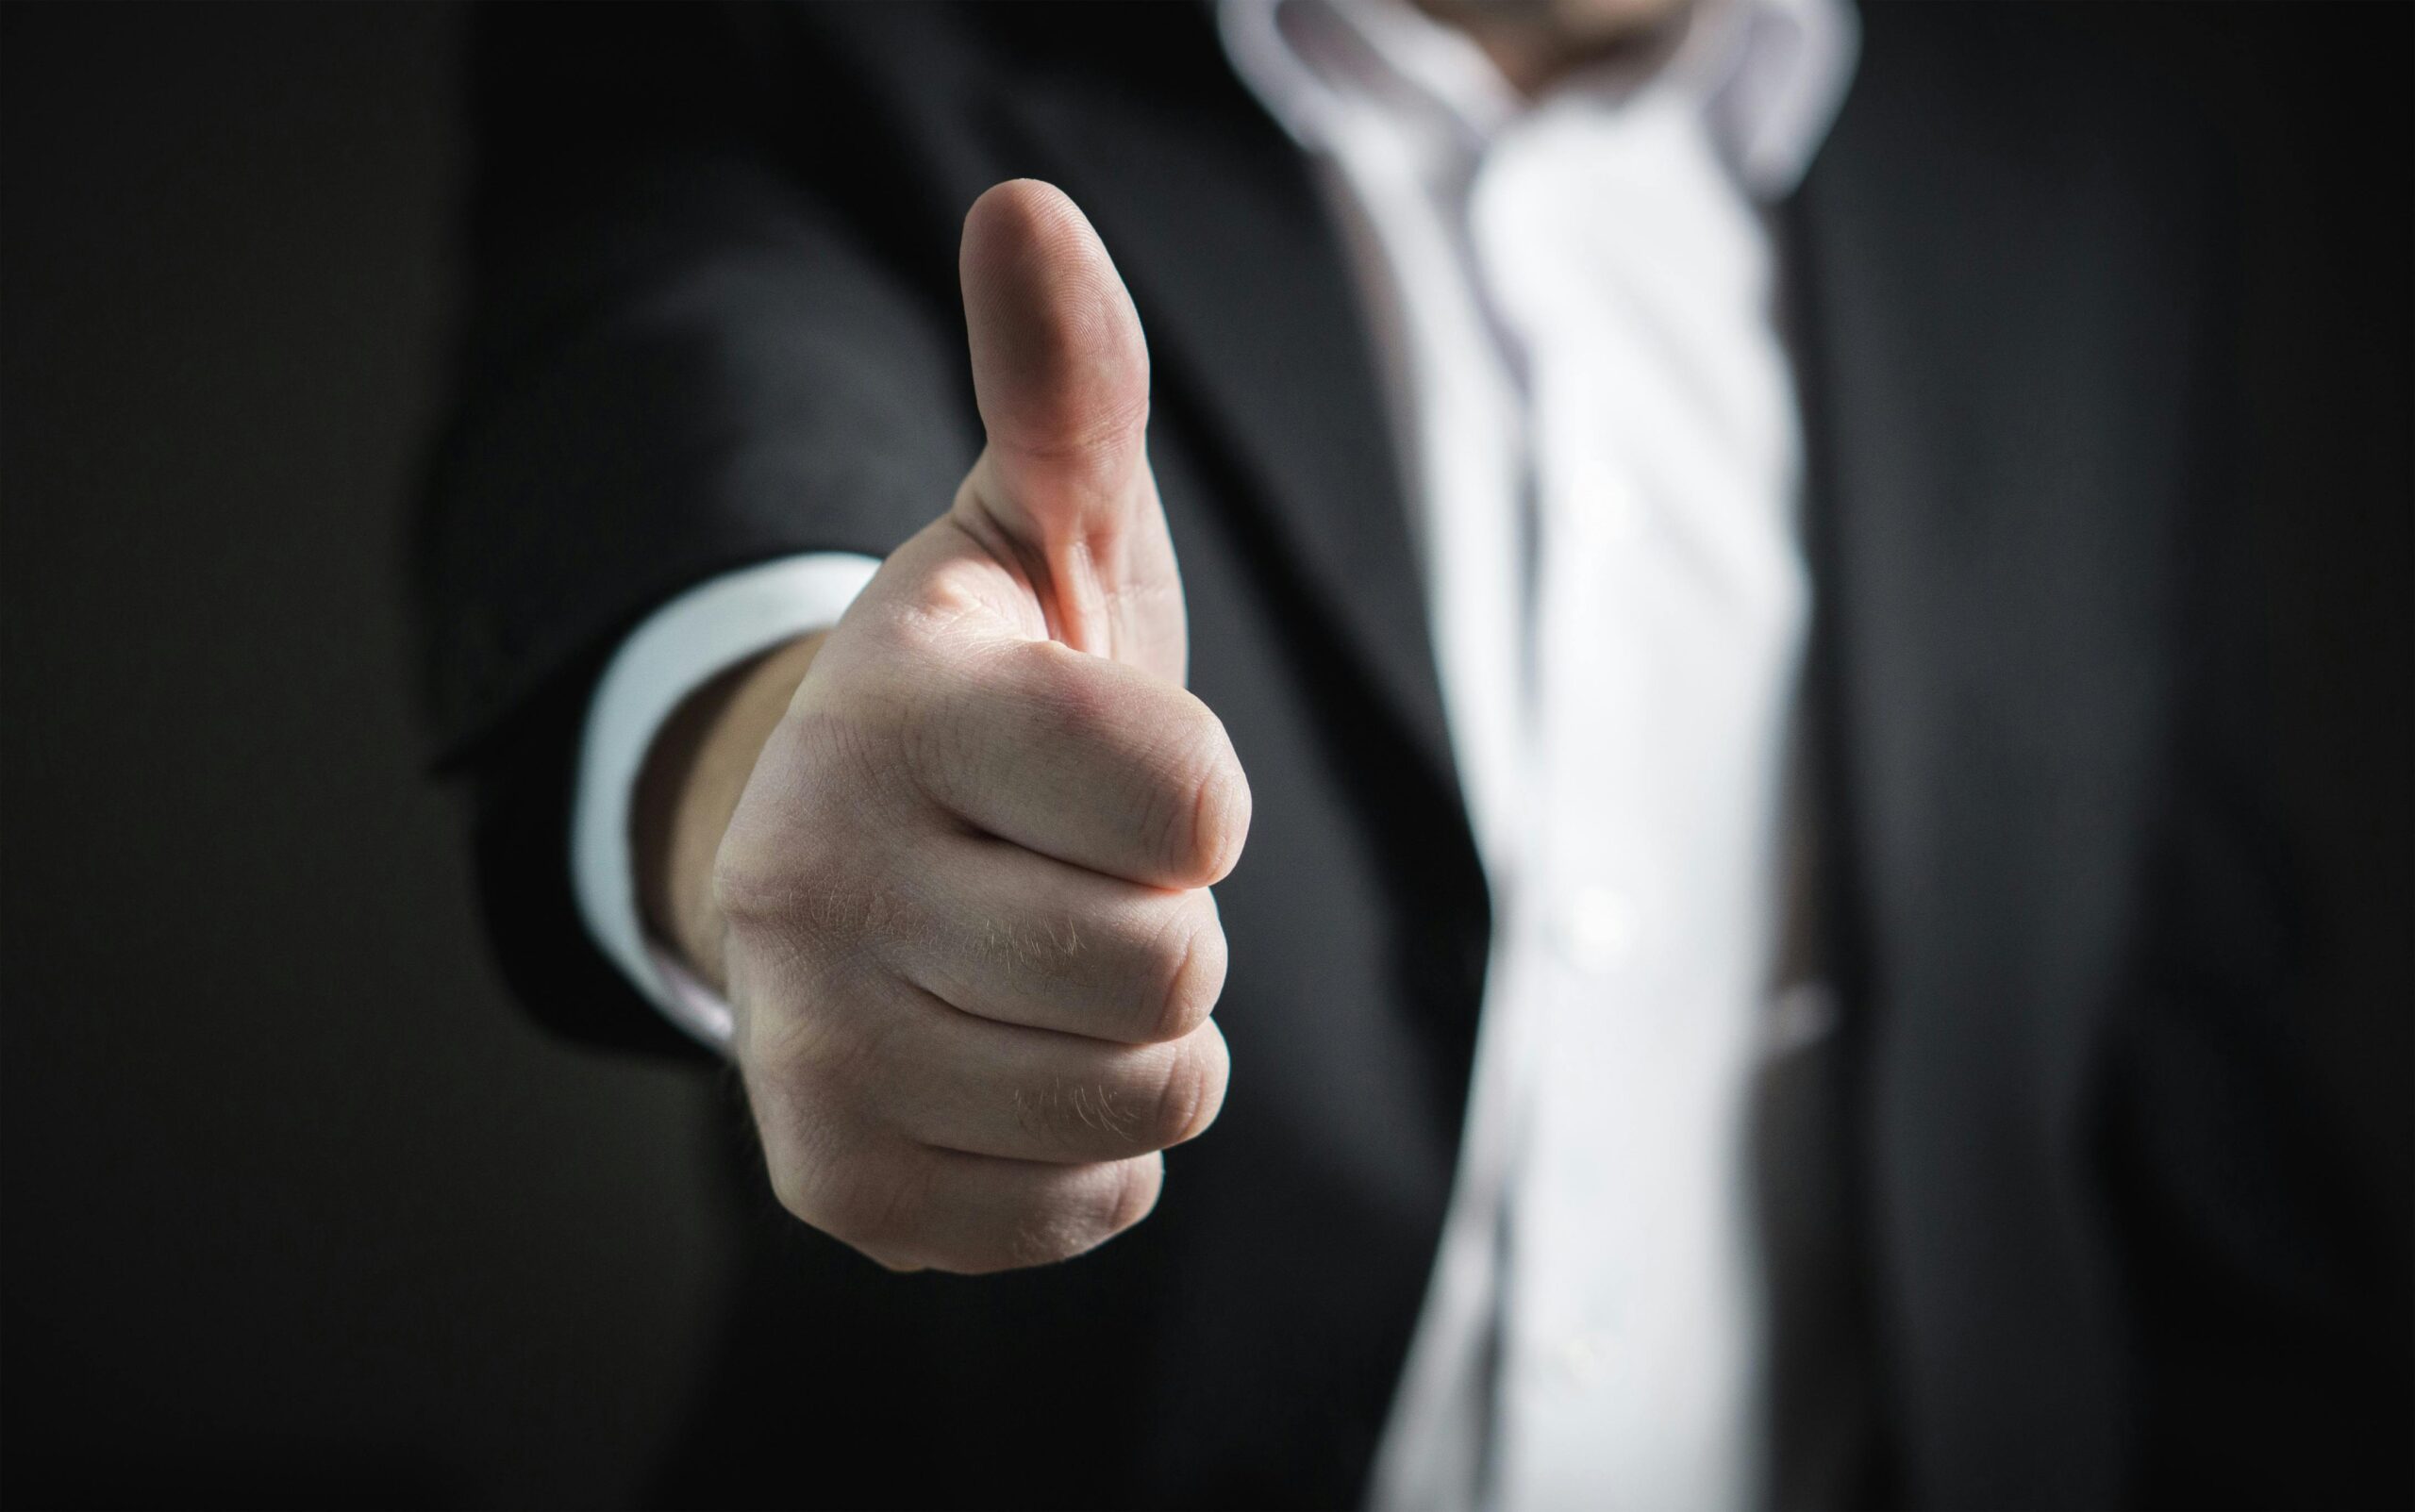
x=1632, y=1083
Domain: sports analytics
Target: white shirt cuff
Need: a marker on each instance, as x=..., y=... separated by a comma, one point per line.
x=685, y=643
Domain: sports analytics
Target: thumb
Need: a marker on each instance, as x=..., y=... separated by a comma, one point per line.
x=1063, y=492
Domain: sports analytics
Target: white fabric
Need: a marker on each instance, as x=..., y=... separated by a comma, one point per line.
x=679, y=648
x=1575, y=303
x=1575, y=308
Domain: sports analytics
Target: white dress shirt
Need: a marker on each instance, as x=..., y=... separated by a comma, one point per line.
x=1573, y=301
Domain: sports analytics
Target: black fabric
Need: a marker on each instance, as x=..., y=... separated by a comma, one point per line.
x=2077, y=1178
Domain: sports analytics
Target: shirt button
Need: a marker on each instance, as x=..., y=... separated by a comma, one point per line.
x=1584, y=1358
x=1597, y=928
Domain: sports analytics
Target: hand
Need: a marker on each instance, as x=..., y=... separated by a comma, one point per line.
x=962, y=907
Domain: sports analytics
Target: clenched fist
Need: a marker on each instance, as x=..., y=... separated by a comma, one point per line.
x=960, y=907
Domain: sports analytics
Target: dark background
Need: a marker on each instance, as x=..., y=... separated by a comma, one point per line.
x=295, y=1207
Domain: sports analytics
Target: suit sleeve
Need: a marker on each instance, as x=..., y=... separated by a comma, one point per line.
x=708, y=325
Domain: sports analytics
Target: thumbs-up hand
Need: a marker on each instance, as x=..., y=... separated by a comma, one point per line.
x=962, y=902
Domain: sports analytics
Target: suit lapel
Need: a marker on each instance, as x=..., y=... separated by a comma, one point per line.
x=1253, y=322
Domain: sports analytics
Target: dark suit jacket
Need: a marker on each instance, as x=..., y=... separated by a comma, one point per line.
x=2055, y=1200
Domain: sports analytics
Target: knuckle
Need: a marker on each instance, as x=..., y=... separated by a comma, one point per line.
x=1133, y=1195
x=1198, y=811
x=798, y=1147
x=1185, y=965
x=1220, y=822
x=948, y=596
x=1094, y=443
x=813, y=911
x=819, y=854
x=1042, y=945
x=940, y=739
x=1191, y=1092
x=745, y=892
x=766, y=885
x=848, y=1066
x=882, y=1207
x=1092, y=1206
x=1077, y=1117
x=816, y=1077
x=1051, y=1231
x=874, y=920
x=1168, y=814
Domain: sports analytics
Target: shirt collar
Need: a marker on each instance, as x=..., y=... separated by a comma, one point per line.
x=1768, y=76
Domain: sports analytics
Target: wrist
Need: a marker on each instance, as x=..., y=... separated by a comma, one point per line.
x=695, y=772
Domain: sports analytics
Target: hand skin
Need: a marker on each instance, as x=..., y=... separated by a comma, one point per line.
x=950, y=862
